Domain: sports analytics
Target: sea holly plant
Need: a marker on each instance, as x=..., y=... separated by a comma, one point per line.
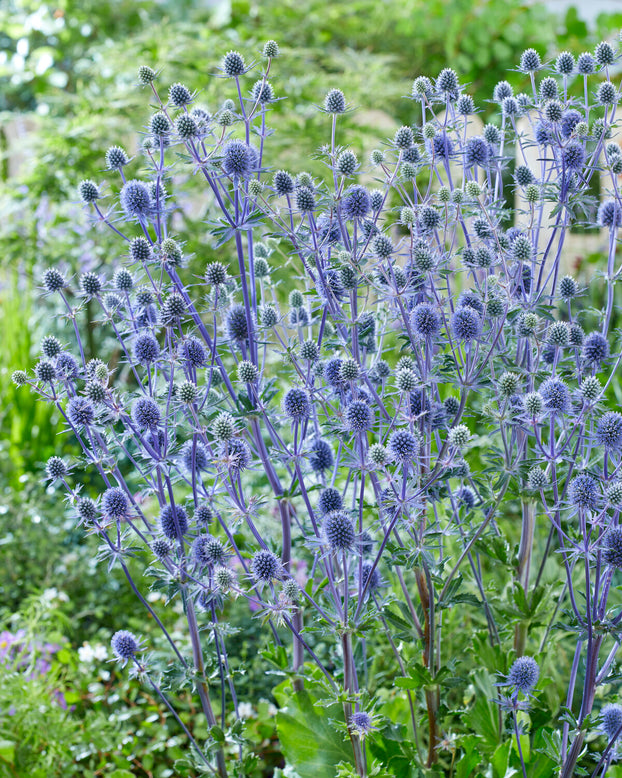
x=376, y=410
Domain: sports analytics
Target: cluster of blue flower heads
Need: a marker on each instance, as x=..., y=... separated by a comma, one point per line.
x=350, y=401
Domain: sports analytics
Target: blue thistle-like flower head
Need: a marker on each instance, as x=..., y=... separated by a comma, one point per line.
x=124, y=645
x=239, y=159
x=359, y=416
x=265, y=566
x=136, y=199
x=555, y=395
x=612, y=547
x=356, y=203
x=466, y=323
x=173, y=519
x=611, y=718
x=609, y=431
x=595, y=348
x=584, y=492
x=320, y=456
x=296, y=404
x=330, y=500
x=145, y=413
x=610, y=214
x=339, y=531
x=115, y=503
x=524, y=674
x=403, y=445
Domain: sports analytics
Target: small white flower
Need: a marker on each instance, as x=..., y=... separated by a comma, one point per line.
x=245, y=710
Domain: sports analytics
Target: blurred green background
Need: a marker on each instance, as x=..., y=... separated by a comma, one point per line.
x=67, y=92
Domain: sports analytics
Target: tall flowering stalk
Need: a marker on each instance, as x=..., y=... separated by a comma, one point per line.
x=427, y=366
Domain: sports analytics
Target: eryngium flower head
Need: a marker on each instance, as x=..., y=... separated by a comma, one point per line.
x=356, y=202
x=359, y=416
x=239, y=159
x=66, y=366
x=612, y=547
x=382, y=246
x=145, y=413
x=422, y=87
x=207, y=550
x=614, y=493
x=271, y=49
x=573, y=156
x=186, y=127
x=86, y=509
x=116, y=158
x=237, y=324
x=610, y=214
x=360, y=722
x=466, y=497
x=232, y=64
x=590, y=388
x=236, y=454
x=548, y=89
x=339, y=531
x=80, y=411
x=476, y=152
x=595, y=348
x=404, y=138
x=583, y=492
x=369, y=577
x=330, y=500
x=346, y=163
x=564, y=64
x=530, y=61
x=146, y=75
x=586, y=64
x=265, y=565
x=136, y=199
x=172, y=519
x=335, y=101
x=568, y=288
x=179, y=95
x=194, y=456
x=536, y=479
x=53, y=280
x=502, y=90
x=283, y=183
x=50, y=346
x=305, y=199
x=465, y=105
x=114, y=503
x=146, y=349
x=559, y=334
x=524, y=673
x=161, y=548
x=89, y=191
x=609, y=431
x=426, y=320
x=607, y=94
x=320, y=456
x=296, y=404
x=447, y=82
x=604, y=54
x=466, y=323
x=203, y=514
x=570, y=119
x=19, y=377
x=55, y=468
x=125, y=645
x=403, y=445
x=44, y=371
x=442, y=146
x=611, y=717
x=194, y=352
x=555, y=395
x=90, y=283
x=459, y=435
